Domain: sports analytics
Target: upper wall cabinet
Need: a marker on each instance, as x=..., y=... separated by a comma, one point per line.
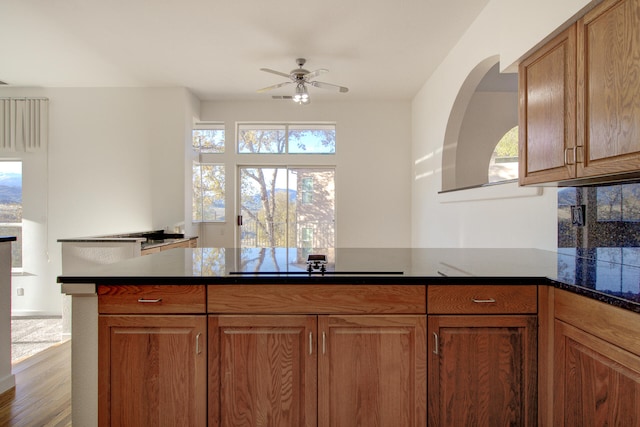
x=608, y=114
x=580, y=99
x=546, y=90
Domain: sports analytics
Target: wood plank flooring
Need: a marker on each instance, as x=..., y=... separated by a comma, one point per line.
x=42, y=396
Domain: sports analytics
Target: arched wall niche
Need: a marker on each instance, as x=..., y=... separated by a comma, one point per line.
x=485, y=108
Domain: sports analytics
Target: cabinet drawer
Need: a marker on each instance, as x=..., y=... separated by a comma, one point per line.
x=151, y=299
x=481, y=299
x=317, y=299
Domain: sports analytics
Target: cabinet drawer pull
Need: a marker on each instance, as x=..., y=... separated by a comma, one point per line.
x=483, y=301
x=198, y=343
x=149, y=301
x=310, y=343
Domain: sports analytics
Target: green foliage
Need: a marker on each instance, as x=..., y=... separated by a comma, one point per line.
x=508, y=145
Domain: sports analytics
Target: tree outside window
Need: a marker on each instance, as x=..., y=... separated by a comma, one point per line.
x=503, y=165
x=208, y=192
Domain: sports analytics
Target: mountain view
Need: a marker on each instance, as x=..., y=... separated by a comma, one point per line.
x=10, y=197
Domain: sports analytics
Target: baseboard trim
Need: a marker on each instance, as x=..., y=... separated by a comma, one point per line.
x=35, y=313
x=7, y=383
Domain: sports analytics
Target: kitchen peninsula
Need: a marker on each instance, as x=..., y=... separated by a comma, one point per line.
x=234, y=337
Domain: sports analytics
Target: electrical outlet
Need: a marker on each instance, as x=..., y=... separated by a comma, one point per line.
x=578, y=215
x=20, y=292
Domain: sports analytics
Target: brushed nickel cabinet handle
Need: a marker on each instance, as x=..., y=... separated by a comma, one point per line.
x=483, y=301
x=324, y=343
x=436, y=344
x=149, y=301
x=566, y=159
x=198, y=351
x=310, y=343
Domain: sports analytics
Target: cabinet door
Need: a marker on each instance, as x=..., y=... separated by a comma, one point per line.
x=372, y=371
x=608, y=113
x=482, y=370
x=547, y=97
x=152, y=370
x=262, y=371
x=596, y=383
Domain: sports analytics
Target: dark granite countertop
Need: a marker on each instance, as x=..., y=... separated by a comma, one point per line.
x=8, y=238
x=609, y=275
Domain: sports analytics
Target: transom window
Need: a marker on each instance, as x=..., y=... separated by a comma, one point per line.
x=208, y=137
x=269, y=138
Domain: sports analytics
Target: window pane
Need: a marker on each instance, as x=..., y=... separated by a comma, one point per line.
x=503, y=165
x=275, y=211
x=257, y=138
x=313, y=224
x=11, y=207
x=312, y=139
x=208, y=137
x=208, y=192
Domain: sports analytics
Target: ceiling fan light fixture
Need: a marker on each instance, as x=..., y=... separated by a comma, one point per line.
x=301, y=96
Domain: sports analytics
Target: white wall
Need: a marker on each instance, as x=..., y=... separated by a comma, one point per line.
x=488, y=117
x=115, y=164
x=504, y=218
x=373, y=181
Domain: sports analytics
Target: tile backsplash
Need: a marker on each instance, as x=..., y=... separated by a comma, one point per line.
x=599, y=237
x=605, y=216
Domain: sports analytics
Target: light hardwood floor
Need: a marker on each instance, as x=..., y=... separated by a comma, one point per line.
x=42, y=396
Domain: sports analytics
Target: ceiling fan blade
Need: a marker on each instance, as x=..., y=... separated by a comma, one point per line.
x=329, y=86
x=264, y=89
x=269, y=70
x=315, y=73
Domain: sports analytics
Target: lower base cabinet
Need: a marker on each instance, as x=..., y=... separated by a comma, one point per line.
x=152, y=370
x=307, y=370
x=482, y=370
x=597, y=363
x=262, y=371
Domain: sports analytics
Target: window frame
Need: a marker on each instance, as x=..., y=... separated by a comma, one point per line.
x=286, y=127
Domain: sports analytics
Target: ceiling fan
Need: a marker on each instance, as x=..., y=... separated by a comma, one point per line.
x=301, y=78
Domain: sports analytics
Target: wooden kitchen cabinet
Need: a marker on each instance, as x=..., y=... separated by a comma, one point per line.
x=322, y=355
x=281, y=370
x=482, y=365
x=547, y=103
x=597, y=363
x=579, y=99
x=608, y=89
x=262, y=370
x=152, y=365
x=372, y=371
x=190, y=243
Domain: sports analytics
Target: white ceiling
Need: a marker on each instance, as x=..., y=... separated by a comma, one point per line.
x=380, y=49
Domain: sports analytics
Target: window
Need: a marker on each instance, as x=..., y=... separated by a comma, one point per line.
x=208, y=137
x=286, y=138
x=273, y=212
x=208, y=192
x=11, y=207
x=504, y=160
